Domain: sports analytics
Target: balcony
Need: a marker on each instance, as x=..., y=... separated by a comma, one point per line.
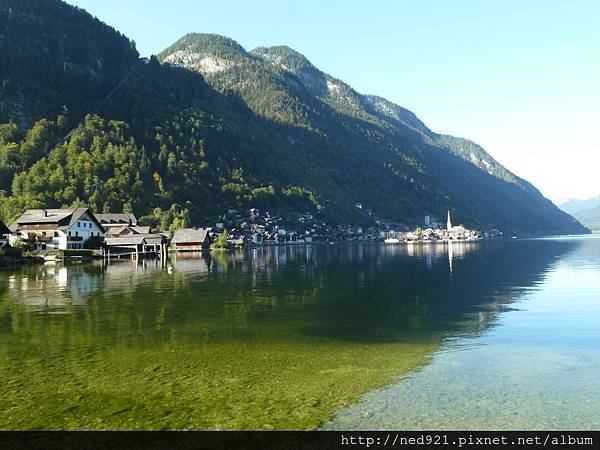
x=75, y=238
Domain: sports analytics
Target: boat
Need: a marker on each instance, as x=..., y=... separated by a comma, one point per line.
x=392, y=241
x=51, y=258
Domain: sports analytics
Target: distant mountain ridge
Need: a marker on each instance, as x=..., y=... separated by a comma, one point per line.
x=586, y=211
x=574, y=205
x=590, y=218
x=283, y=85
x=208, y=126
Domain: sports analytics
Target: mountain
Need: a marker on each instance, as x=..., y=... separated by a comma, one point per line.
x=53, y=56
x=590, y=218
x=282, y=85
x=586, y=211
x=209, y=126
x=575, y=206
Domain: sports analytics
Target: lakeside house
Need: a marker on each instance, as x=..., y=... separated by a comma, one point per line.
x=60, y=229
x=124, y=235
x=191, y=239
x=4, y=233
x=136, y=244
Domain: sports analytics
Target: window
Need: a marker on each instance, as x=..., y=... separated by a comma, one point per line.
x=77, y=233
x=56, y=234
x=78, y=224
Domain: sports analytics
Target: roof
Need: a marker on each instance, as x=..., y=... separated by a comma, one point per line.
x=141, y=229
x=130, y=239
x=154, y=239
x=125, y=230
x=190, y=235
x=117, y=219
x=44, y=216
x=3, y=229
x=135, y=239
x=53, y=217
x=116, y=231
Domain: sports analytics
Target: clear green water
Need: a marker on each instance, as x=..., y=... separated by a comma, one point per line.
x=351, y=336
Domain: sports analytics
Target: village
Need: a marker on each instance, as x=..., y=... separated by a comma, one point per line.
x=76, y=233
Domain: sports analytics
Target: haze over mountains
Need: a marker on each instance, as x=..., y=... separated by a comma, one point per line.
x=209, y=126
x=586, y=211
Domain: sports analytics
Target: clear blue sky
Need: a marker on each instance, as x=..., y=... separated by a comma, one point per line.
x=521, y=78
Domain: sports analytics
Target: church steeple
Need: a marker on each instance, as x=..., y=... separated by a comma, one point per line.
x=449, y=224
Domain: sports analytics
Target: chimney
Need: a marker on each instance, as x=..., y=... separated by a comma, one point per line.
x=45, y=213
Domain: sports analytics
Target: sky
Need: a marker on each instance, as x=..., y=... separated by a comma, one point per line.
x=519, y=78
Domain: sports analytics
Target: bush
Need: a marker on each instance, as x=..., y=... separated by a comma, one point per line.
x=221, y=242
x=25, y=245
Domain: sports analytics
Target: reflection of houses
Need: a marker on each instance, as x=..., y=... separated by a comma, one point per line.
x=4, y=233
x=57, y=228
x=55, y=287
x=192, y=263
x=191, y=239
x=120, y=220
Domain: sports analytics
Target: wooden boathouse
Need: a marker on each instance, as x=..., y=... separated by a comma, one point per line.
x=135, y=246
x=191, y=240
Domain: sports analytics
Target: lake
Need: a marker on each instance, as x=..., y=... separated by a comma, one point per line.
x=473, y=335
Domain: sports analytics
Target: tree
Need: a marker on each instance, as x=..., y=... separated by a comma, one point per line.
x=221, y=242
x=26, y=245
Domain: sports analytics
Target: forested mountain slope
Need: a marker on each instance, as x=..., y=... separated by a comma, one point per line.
x=282, y=85
x=53, y=56
x=241, y=129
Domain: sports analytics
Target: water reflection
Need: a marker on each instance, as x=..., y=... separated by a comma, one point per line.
x=280, y=323
x=538, y=368
x=357, y=292
x=54, y=288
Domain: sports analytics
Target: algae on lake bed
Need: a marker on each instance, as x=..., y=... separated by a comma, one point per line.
x=255, y=385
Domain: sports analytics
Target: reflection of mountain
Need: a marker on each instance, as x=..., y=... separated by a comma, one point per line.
x=273, y=337
x=538, y=369
x=584, y=251
x=359, y=288
x=377, y=293
x=351, y=292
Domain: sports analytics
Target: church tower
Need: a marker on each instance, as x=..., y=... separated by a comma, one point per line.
x=449, y=224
